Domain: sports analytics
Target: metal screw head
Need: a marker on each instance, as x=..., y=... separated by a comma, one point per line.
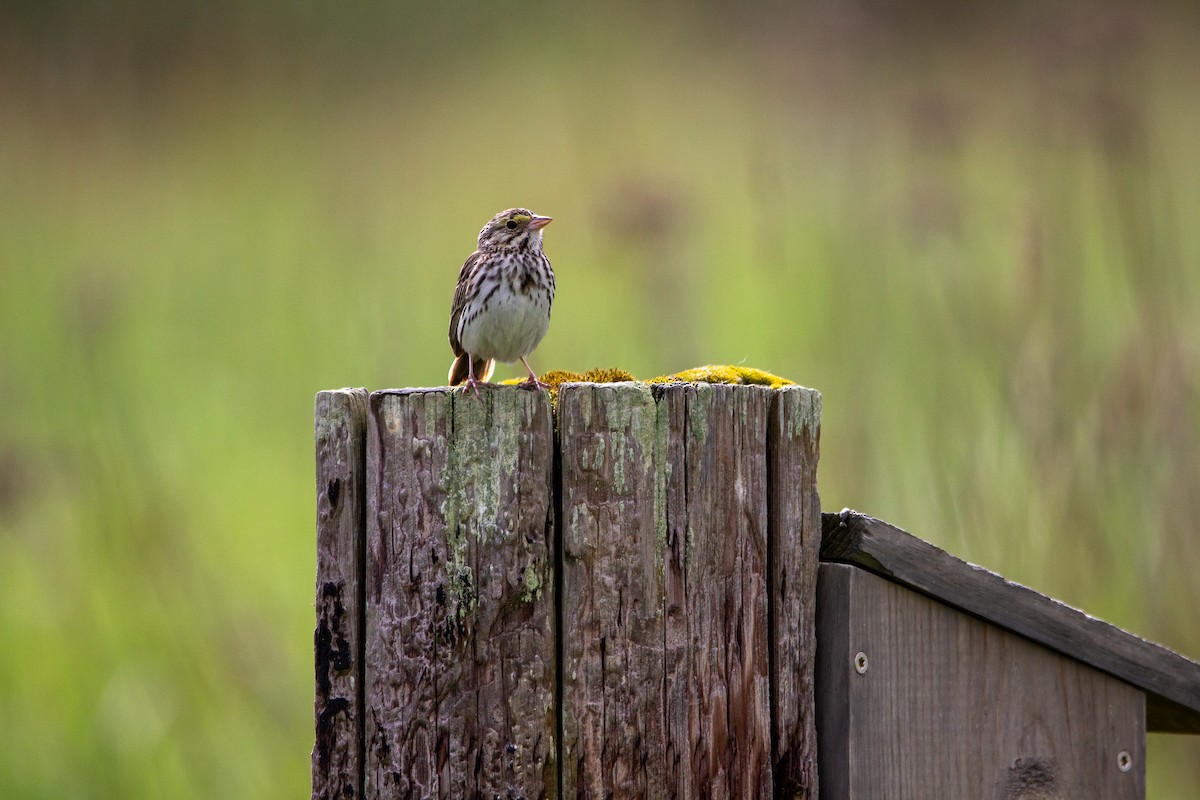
x=1124, y=761
x=860, y=662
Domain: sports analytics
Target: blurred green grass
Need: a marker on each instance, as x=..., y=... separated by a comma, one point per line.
x=974, y=232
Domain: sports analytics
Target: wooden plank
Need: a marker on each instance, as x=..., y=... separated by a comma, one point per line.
x=793, y=545
x=832, y=682
x=941, y=704
x=612, y=603
x=666, y=682
x=1172, y=682
x=679, y=708
x=460, y=658
x=339, y=432
x=712, y=446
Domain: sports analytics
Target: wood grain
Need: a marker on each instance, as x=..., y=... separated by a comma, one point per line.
x=947, y=705
x=666, y=608
x=339, y=433
x=714, y=505
x=832, y=683
x=1172, y=682
x=793, y=545
x=460, y=657
x=613, y=734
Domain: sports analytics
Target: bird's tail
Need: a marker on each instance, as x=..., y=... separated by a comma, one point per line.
x=483, y=369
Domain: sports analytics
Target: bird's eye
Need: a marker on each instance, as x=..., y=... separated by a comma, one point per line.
x=511, y=225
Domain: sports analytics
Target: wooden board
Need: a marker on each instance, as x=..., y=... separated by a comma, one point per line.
x=668, y=599
x=714, y=507
x=793, y=546
x=1172, y=682
x=460, y=656
x=917, y=700
x=612, y=600
x=339, y=433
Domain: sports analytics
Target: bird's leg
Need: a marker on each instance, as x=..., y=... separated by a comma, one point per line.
x=533, y=382
x=471, y=382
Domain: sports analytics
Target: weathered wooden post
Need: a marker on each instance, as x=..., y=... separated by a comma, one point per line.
x=622, y=609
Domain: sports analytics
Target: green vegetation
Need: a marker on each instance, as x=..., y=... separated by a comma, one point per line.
x=976, y=234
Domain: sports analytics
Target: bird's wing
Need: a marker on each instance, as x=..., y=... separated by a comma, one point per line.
x=466, y=276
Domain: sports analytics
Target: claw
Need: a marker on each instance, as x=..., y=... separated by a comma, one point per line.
x=532, y=382
x=471, y=382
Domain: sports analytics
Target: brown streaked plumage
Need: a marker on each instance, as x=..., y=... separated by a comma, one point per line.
x=501, y=307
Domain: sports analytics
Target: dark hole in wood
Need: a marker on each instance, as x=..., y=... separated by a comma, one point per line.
x=332, y=646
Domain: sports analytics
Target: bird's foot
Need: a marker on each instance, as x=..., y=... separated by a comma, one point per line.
x=532, y=381
x=533, y=384
x=473, y=385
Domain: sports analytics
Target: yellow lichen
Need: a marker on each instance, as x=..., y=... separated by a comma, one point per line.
x=712, y=373
x=725, y=373
x=557, y=377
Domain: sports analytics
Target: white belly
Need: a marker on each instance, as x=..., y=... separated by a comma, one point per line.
x=508, y=329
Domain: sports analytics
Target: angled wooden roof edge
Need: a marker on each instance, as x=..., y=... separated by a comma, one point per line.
x=1171, y=681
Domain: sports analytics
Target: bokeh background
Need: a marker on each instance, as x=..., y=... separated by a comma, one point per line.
x=975, y=228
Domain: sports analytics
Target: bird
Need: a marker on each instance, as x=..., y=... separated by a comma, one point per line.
x=501, y=307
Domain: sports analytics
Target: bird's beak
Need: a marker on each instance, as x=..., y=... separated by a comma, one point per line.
x=537, y=223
